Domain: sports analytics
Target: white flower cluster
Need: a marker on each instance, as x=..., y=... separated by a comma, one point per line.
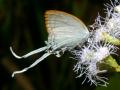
x=88, y=59
x=98, y=48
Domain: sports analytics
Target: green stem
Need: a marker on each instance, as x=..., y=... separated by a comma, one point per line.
x=111, y=39
x=112, y=63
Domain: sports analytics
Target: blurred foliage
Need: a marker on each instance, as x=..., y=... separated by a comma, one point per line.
x=113, y=83
x=22, y=27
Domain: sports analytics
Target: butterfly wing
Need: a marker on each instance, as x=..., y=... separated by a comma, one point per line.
x=64, y=29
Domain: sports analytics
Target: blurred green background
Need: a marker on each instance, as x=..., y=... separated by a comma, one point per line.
x=22, y=27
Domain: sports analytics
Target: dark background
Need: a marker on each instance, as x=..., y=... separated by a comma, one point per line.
x=22, y=27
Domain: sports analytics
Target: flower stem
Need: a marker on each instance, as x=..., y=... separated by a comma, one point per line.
x=111, y=39
x=112, y=63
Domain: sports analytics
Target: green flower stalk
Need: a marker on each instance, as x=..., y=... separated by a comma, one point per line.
x=110, y=61
x=110, y=39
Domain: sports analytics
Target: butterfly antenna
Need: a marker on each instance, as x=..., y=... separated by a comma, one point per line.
x=28, y=54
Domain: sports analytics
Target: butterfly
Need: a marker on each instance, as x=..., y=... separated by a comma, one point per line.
x=65, y=32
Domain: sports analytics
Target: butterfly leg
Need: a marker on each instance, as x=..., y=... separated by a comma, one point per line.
x=32, y=65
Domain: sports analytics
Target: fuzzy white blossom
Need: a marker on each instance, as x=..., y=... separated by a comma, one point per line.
x=91, y=56
x=88, y=60
x=110, y=24
x=113, y=23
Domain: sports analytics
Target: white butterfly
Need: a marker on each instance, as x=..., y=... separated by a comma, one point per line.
x=65, y=31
